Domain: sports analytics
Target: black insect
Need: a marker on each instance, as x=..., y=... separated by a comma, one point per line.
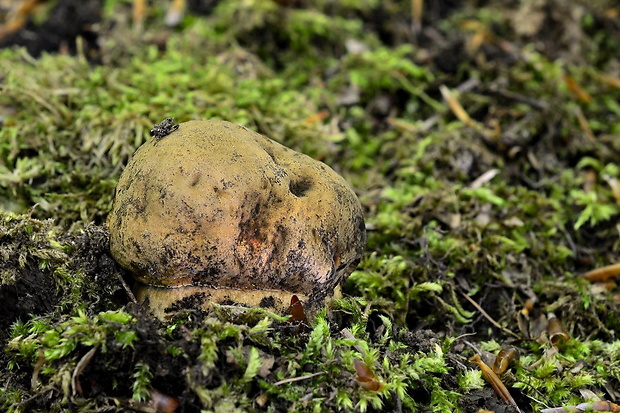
x=164, y=128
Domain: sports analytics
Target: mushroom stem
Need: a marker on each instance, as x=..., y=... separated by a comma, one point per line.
x=160, y=298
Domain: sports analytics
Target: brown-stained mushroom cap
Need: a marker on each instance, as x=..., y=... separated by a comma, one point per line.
x=215, y=212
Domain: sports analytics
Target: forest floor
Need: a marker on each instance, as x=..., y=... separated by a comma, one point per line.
x=482, y=138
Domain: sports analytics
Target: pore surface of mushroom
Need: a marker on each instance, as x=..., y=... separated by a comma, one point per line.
x=215, y=212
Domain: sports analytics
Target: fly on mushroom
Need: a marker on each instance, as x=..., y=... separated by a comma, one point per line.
x=164, y=128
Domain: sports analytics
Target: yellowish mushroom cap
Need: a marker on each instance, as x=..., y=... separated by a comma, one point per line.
x=214, y=212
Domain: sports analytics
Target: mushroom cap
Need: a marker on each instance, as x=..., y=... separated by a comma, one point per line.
x=235, y=217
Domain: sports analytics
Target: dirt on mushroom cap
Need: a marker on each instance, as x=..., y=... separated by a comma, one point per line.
x=216, y=205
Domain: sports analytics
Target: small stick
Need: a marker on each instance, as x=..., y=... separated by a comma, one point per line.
x=417, y=7
x=488, y=317
x=577, y=90
x=127, y=290
x=79, y=368
x=494, y=381
x=347, y=334
x=34, y=380
x=139, y=12
x=603, y=273
x=583, y=124
x=536, y=104
x=299, y=378
x=484, y=178
x=456, y=107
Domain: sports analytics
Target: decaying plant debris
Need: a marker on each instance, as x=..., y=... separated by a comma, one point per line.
x=483, y=139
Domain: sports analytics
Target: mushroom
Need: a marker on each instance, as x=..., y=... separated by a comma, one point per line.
x=210, y=211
